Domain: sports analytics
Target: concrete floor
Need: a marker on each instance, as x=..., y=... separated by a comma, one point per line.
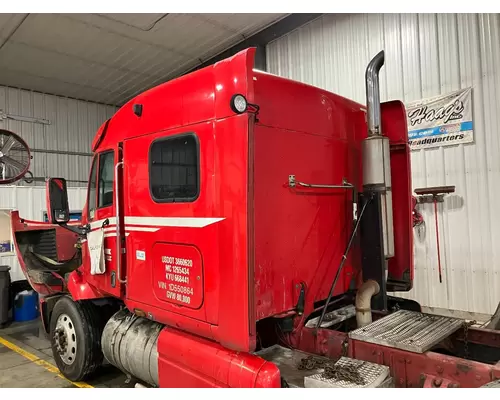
x=26, y=362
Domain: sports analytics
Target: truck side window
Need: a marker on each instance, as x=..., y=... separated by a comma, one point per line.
x=174, y=169
x=106, y=179
x=91, y=200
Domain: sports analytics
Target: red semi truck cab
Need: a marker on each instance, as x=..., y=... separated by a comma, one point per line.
x=220, y=203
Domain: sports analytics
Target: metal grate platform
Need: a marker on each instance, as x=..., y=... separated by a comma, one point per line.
x=408, y=330
x=287, y=361
x=333, y=317
x=494, y=384
x=354, y=374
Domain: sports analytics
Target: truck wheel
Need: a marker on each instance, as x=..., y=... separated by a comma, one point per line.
x=75, y=332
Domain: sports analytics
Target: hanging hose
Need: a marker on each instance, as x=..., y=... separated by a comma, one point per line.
x=344, y=258
x=436, y=194
x=437, y=239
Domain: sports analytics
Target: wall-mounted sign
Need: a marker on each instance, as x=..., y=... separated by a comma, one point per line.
x=440, y=121
x=5, y=246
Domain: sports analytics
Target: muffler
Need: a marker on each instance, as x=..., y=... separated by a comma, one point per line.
x=376, y=154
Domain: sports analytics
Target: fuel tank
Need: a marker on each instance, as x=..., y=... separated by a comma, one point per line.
x=129, y=343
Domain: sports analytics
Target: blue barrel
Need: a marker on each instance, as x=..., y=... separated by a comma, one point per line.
x=26, y=306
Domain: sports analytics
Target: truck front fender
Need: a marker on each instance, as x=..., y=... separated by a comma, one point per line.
x=80, y=289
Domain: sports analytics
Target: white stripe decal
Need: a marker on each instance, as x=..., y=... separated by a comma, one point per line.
x=106, y=235
x=140, y=229
x=175, y=221
x=131, y=229
x=159, y=221
x=45, y=225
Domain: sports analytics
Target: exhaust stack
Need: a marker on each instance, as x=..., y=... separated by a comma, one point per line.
x=376, y=153
x=373, y=94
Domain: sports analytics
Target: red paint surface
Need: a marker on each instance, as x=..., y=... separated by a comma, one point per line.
x=198, y=363
x=222, y=245
x=178, y=274
x=324, y=342
x=437, y=239
x=65, y=247
x=488, y=337
x=271, y=237
x=80, y=288
x=301, y=233
x=408, y=369
x=413, y=369
x=401, y=269
x=433, y=381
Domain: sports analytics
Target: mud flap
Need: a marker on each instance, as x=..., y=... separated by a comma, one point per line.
x=46, y=306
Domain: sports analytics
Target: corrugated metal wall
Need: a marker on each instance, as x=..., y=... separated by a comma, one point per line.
x=30, y=201
x=62, y=148
x=71, y=127
x=426, y=55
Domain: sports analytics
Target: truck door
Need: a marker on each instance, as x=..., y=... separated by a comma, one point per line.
x=101, y=215
x=172, y=224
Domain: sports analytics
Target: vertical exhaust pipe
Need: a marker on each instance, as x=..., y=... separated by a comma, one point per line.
x=373, y=94
x=376, y=153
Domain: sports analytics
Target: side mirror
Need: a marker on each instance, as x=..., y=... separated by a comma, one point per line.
x=57, y=201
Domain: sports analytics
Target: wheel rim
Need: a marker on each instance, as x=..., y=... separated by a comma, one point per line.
x=65, y=339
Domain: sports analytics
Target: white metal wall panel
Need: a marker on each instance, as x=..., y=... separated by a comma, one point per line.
x=30, y=201
x=72, y=126
x=426, y=55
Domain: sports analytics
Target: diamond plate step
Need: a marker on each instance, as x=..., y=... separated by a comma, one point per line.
x=494, y=384
x=372, y=376
x=408, y=330
x=287, y=361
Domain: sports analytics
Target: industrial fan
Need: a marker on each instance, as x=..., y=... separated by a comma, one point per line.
x=14, y=157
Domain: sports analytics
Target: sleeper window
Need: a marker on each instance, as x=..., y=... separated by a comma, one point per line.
x=174, y=169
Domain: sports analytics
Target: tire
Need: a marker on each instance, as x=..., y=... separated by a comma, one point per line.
x=75, y=335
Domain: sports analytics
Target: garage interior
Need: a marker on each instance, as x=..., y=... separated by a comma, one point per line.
x=63, y=75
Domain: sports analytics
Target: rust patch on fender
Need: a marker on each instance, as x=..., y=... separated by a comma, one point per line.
x=463, y=367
